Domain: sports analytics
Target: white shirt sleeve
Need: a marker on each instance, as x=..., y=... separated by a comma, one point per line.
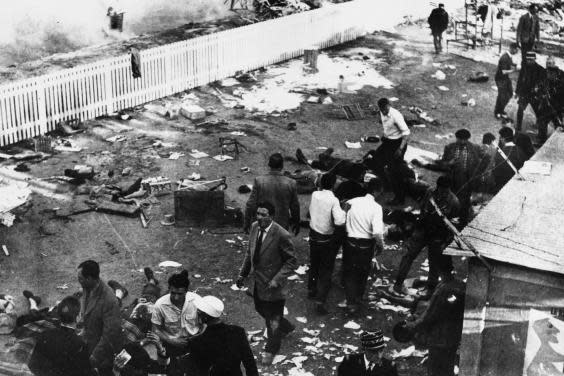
x=339, y=215
x=378, y=224
x=400, y=122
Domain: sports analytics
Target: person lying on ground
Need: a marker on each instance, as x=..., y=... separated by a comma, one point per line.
x=60, y=351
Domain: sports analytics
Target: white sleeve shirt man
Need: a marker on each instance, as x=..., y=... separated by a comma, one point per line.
x=394, y=125
x=365, y=219
x=325, y=212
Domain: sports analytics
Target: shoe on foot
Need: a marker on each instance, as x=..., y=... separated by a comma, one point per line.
x=321, y=309
x=267, y=358
x=29, y=295
x=115, y=285
x=301, y=157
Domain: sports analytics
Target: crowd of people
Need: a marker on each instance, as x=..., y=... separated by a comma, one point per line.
x=182, y=333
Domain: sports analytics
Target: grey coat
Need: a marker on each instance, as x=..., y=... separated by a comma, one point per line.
x=277, y=262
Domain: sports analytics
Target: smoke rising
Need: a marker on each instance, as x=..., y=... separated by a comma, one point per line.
x=31, y=29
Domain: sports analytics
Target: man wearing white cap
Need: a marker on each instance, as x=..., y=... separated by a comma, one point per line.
x=221, y=348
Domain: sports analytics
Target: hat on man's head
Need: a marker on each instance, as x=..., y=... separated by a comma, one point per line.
x=462, y=134
x=506, y=133
x=372, y=340
x=531, y=55
x=210, y=305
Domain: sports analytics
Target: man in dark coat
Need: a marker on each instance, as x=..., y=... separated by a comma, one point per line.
x=281, y=191
x=221, y=348
x=505, y=67
x=271, y=259
x=100, y=318
x=441, y=325
x=59, y=351
x=438, y=22
x=531, y=77
x=528, y=30
x=371, y=362
x=502, y=171
x=430, y=232
x=463, y=160
x=551, y=98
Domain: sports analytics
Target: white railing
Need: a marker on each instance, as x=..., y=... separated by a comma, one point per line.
x=35, y=106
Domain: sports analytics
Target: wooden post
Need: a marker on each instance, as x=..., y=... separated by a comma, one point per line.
x=41, y=105
x=310, y=56
x=109, y=99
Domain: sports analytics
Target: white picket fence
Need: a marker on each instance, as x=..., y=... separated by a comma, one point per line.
x=35, y=106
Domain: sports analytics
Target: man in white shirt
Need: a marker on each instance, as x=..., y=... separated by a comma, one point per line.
x=325, y=213
x=175, y=319
x=365, y=236
x=391, y=151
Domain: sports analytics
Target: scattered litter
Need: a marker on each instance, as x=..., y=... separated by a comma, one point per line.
x=327, y=100
x=342, y=304
x=313, y=99
x=13, y=195
x=219, y=280
x=245, y=169
x=222, y=157
x=278, y=358
x=353, y=145
x=238, y=133
x=117, y=138
x=298, y=371
x=339, y=359
x=393, y=99
x=419, y=126
x=408, y=353
x=195, y=176
x=63, y=148
x=468, y=102
x=351, y=325
x=382, y=305
x=63, y=287
x=169, y=264
x=5, y=249
x=126, y=171
x=192, y=111
x=444, y=136
x=160, y=144
x=175, y=155
x=303, y=320
x=443, y=88
x=422, y=156
x=293, y=277
x=7, y=219
x=198, y=154
x=197, y=276
x=301, y=270
x=439, y=75
x=312, y=332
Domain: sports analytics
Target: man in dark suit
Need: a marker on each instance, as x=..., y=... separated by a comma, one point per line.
x=438, y=22
x=528, y=30
x=59, y=351
x=100, y=318
x=278, y=189
x=371, y=362
x=502, y=171
x=531, y=77
x=463, y=161
x=270, y=259
x=221, y=348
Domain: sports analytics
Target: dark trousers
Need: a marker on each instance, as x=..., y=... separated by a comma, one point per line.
x=393, y=174
x=357, y=262
x=437, y=261
x=322, y=253
x=464, y=195
x=178, y=360
x=504, y=94
x=438, y=41
x=276, y=325
x=526, y=47
x=441, y=361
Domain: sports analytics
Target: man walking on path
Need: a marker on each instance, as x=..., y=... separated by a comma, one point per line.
x=278, y=189
x=438, y=22
x=270, y=259
x=365, y=237
x=326, y=213
x=505, y=67
x=528, y=31
x=531, y=77
x=392, y=150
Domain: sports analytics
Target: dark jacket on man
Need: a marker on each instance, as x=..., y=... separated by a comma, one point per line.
x=100, y=316
x=441, y=323
x=277, y=262
x=220, y=350
x=438, y=20
x=60, y=352
x=502, y=171
x=461, y=175
x=528, y=29
x=279, y=190
x=355, y=365
x=530, y=78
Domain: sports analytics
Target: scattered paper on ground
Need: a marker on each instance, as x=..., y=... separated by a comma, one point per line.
x=169, y=264
x=352, y=325
x=409, y=352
